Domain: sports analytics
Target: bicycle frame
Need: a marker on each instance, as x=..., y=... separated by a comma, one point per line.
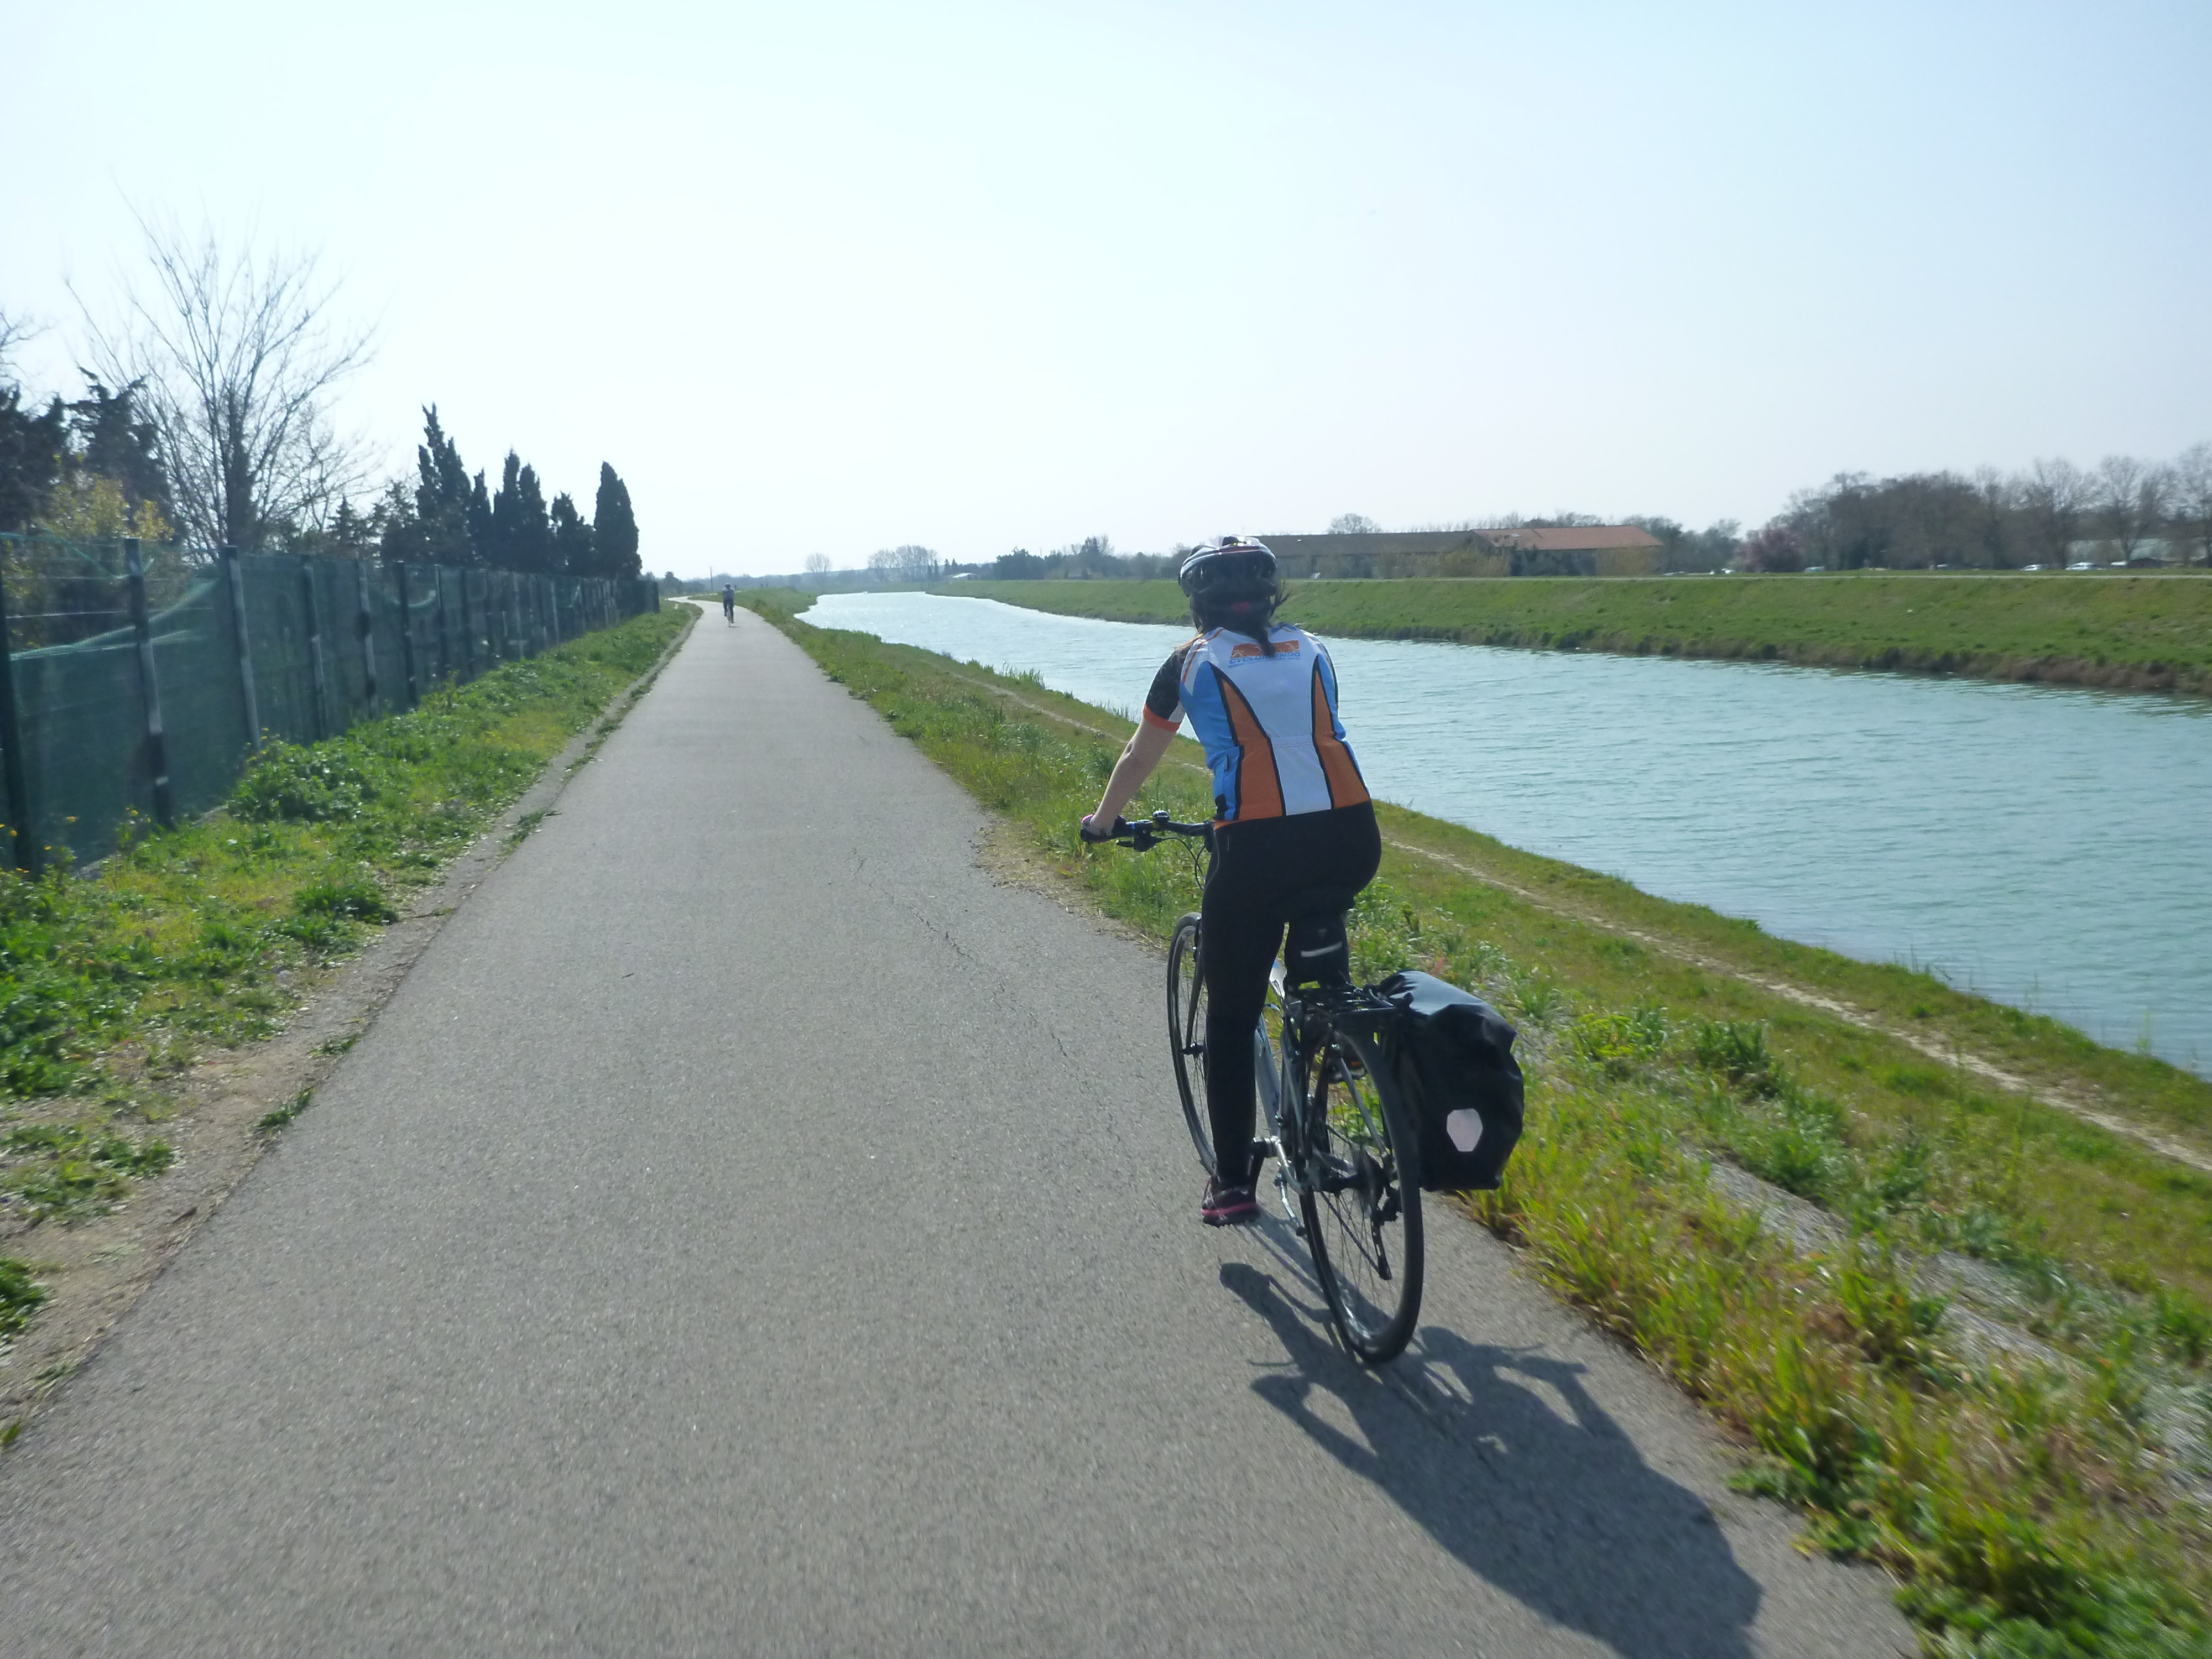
x=1332, y=1042
x=1308, y=1015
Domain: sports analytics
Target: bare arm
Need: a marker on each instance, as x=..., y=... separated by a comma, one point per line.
x=1147, y=744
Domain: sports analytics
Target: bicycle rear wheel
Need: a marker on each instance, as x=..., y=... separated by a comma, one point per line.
x=1361, y=1198
x=1186, y=1034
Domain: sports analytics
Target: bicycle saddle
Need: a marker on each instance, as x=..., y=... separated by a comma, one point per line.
x=1316, y=949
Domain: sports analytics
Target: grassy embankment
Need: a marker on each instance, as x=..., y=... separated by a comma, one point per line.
x=2144, y=632
x=205, y=936
x=1991, y=1378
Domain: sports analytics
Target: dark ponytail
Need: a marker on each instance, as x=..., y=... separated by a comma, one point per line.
x=1257, y=624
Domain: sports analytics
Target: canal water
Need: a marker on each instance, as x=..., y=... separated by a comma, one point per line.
x=2046, y=847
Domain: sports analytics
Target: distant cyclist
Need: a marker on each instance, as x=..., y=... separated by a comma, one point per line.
x=730, y=603
x=1290, y=813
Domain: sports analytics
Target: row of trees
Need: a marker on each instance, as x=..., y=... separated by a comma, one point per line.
x=910, y=563
x=207, y=418
x=1093, y=558
x=448, y=516
x=2125, y=510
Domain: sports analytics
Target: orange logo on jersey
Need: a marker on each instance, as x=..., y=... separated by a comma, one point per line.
x=1284, y=648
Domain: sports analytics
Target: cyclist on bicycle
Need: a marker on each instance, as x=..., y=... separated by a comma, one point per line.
x=730, y=602
x=1290, y=814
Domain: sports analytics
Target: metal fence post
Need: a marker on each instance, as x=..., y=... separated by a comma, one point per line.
x=468, y=632
x=407, y=635
x=149, y=687
x=445, y=644
x=234, y=581
x=315, y=649
x=364, y=624
x=19, y=827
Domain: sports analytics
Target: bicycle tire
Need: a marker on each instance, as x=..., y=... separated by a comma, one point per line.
x=1365, y=1233
x=1186, y=1034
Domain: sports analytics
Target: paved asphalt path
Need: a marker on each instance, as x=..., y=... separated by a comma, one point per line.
x=751, y=1228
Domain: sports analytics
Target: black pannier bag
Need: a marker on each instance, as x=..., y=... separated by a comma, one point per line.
x=1456, y=1068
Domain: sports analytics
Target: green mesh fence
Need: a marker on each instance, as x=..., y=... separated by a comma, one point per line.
x=142, y=694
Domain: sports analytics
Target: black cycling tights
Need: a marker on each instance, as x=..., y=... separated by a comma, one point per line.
x=1257, y=867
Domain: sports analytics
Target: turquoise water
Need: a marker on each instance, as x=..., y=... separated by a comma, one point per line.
x=2049, y=848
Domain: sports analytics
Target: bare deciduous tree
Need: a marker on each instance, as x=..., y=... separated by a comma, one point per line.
x=13, y=330
x=2122, y=485
x=2192, y=503
x=240, y=360
x=2053, y=494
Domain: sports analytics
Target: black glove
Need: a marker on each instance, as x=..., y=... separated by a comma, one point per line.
x=1091, y=833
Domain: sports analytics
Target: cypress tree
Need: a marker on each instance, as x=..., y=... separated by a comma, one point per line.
x=499, y=546
x=350, y=536
x=398, y=531
x=533, y=530
x=521, y=539
x=31, y=451
x=113, y=442
x=614, y=528
x=478, y=518
x=441, y=497
x=571, y=539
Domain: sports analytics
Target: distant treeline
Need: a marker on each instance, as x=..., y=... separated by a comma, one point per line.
x=1091, y=558
x=2056, y=514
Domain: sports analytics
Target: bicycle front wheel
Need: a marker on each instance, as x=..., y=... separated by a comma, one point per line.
x=1361, y=1197
x=1186, y=1034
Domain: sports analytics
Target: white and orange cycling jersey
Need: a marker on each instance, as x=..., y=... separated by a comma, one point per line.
x=1268, y=722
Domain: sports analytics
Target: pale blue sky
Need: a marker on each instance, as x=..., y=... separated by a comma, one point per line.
x=831, y=277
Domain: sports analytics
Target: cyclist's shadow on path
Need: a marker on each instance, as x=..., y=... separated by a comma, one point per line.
x=1558, y=1510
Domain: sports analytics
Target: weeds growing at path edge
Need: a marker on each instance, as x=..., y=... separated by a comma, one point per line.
x=1973, y=1375
x=118, y=978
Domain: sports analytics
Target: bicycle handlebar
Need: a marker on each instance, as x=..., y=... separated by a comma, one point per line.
x=1144, y=834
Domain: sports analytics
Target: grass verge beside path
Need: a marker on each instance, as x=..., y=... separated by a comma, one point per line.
x=115, y=980
x=2138, y=633
x=1989, y=1366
